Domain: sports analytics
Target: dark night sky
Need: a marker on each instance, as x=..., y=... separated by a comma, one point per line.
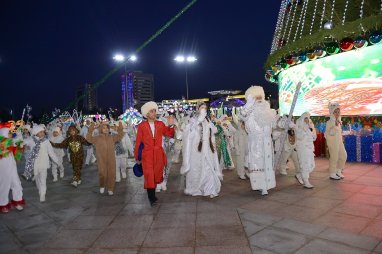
x=48, y=48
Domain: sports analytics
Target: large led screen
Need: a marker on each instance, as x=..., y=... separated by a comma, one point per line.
x=353, y=78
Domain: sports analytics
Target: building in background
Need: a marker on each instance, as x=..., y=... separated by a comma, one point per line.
x=137, y=89
x=86, y=98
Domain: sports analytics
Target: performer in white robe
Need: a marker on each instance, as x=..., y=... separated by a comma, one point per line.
x=333, y=136
x=200, y=160
x=240, y=150
x=259, y=119
x=90, y=157
x=306, y=135
x=9, y=179
x=57, y=138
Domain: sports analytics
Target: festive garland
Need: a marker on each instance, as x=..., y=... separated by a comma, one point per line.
x=7, y=146
x=352, y=35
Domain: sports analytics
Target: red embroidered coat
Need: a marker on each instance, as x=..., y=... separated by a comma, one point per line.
x=153, y=156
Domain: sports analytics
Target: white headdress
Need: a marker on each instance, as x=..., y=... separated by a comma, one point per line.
x=255, y=91
x=147, y=107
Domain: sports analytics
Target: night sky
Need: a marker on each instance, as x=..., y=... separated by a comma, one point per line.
x=48, y=48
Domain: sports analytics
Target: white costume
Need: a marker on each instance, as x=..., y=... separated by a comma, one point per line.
x=200, y=167
x=259, y=119
x=337, y=152
x=123, y=148
x=59, y=153
x=41, y=163
x=240, y=151
x=306, y=135
x=289, y=150
x=9, y=180
x=90, y=157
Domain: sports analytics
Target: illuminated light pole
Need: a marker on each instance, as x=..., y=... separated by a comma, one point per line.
x=186, y=60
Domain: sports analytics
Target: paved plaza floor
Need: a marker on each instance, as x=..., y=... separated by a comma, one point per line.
x=335, y=217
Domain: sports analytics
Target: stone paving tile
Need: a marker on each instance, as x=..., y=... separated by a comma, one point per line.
x=120, y=238
x=366, y=199
x=34, y=237
x=343, y=221
x=378, y=249
x=170, y=237
x=258, y=218
x=374, y=229
x=178, y=207
x=172, y=250
x=319, y=203
x=140, y=222
x=373, y=190
x=305, y=214
x=339, y=187
x=251, y=228
x=175, y=220
x=66, y=215
x=278, y=240
x=90, y=222
x=223, y=250
x=22, y=222
x=321, y=246
x=74, y=238
x=139, y=209
x=112, y=251
x=369, y=180
x=368, y=211
x=264, y=206
x=220, y=235
x=223, y=218
x=287, y=198
x=103, y=210
x=8, y=243
x=57, y=251
x=355, y=240
x=299, y=227
x=329, y=194
x=257, y=250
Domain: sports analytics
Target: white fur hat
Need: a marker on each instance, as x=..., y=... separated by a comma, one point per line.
x=37, y=128
x=27, y=127
x=255, y=91
x=333, y=106
x=147, y=107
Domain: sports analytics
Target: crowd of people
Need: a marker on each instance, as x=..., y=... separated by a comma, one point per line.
x=257, y=142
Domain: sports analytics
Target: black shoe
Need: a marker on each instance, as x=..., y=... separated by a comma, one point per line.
x=154, y=203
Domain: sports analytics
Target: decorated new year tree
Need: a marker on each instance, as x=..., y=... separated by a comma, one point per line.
x=334, y=47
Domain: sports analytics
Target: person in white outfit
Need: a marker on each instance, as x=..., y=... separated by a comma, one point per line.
x=38, y=161
x=57, y=138
x=333, y=136
x=259, y=120
x=306, y=135
x=9, y=179
x=240, y=150
x=123, y=149
x=200, y=160
x=289, y=151
x=90, y=157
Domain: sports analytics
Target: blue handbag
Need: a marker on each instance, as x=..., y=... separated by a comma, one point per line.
x=137, y=169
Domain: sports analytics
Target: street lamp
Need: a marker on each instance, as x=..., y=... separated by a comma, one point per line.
x=186, y=60
x=122, y=59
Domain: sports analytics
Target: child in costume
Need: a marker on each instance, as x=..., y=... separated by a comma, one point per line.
x=333, y=136
x=240, y=150
x=9, y=179
x=105, y=153
x=75, y=143
x=154, y=159
x=306, y=135
x=38, y=161
x=57, y=138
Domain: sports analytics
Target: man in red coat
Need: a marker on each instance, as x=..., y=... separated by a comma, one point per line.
x=151, y=133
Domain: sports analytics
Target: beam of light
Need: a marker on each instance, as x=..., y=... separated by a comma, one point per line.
x=179, y=59
x=121, y=65
x=191, y=59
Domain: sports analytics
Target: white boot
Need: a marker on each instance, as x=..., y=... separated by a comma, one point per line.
x=283, y=172
x=55, y=179
x=339, y=173
x=74, y=183
x=102, y=190
x=62, y=175
x=299, y=178
x=42, y=198
x=264, y=192
x=334, y=176
x=307, y=184
x=158, y=188
x=110, y=193
x=124, y=175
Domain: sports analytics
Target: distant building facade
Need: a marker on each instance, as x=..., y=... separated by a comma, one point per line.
x=86, y=98
x=137, y=89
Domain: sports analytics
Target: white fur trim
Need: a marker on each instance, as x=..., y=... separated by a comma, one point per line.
x=147, y=107
x=37, y=128
x=255, y=91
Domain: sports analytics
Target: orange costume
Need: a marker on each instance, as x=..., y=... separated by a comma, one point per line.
x=153, y=156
